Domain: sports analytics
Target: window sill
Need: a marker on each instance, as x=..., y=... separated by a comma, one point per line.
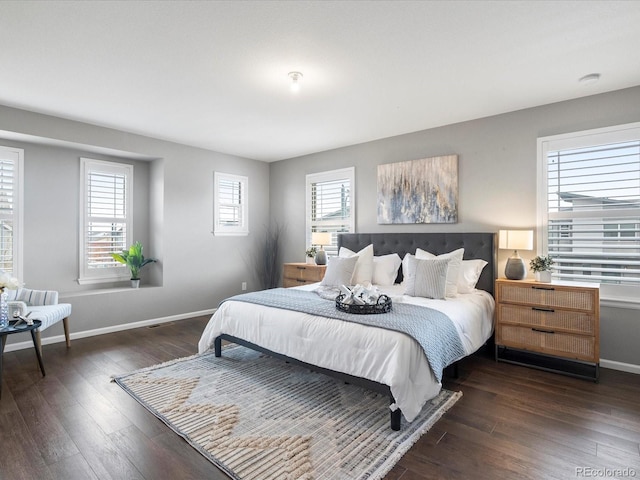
x=620, y=296
x=102, y=280
x=101, y=291
x=620, y=302
x=230, y=234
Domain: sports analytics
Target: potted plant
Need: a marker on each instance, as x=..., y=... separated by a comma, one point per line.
x=311, y=253
x=133, y=259
x=541, y=266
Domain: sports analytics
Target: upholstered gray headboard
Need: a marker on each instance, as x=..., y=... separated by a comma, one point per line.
x=476, y=245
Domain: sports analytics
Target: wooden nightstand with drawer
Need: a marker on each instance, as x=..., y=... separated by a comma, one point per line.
x=556, y=326
x=302, y=274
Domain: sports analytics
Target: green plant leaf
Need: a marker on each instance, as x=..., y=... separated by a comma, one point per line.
x=133, y=259
x=119, y=258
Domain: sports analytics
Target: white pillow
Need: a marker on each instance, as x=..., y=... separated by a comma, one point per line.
x=385, y=269
x=454, y=267
x=470, y=271
x=426, y=278
x=364, y=268
x=339, y=271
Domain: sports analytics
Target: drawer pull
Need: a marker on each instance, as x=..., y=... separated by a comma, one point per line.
x=542, y=331
x=538, y=309
x=543, y=288
x=300, y=281
x=301, y=268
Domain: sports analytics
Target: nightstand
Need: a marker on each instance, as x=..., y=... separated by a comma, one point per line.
x=552, y=326
x=302, y=274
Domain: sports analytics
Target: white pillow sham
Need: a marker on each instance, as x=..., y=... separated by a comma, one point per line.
x=339, y=271
x=469, y=275
x=426, y=278
x=454, y=267
x=363, y=272
x=385, y=269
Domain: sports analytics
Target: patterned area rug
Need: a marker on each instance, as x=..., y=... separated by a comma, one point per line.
x=259, y=418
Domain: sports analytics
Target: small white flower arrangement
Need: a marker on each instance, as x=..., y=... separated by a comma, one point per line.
x=311, y=252
x=9, y=282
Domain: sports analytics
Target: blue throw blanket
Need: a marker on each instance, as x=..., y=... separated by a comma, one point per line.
x=432, y=329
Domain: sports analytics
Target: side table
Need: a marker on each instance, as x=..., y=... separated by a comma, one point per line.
x=295, y=274
x=22, y=327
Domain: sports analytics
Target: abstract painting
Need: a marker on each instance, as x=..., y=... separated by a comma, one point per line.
x=419, y=191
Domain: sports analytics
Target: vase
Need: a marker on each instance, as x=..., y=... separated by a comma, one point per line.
x=4, y=310
x=135, y=282
x=543, y=277
x=311, y=261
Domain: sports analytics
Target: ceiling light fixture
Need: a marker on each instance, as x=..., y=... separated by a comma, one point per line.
x=589, y=79
x=296, y=78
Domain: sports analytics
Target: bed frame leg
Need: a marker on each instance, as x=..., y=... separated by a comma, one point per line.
x=396, y=415
x=396, y=418
x=452, y=371
x=217, y=345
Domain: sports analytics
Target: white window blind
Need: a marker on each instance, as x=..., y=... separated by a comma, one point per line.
x=592, y=228
x=230, y=205
x=106, y=219
x=11, y=165
x=330, y=205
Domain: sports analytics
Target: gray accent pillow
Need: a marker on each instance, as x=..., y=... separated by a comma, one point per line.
x=339, y=271
x=426, y=278
x=454, y=267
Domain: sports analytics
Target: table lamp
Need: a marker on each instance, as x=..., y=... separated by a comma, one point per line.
x=515, y=240
x=321, y=239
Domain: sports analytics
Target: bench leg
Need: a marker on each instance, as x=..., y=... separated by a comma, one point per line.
x=38, y=341
x=65, y=323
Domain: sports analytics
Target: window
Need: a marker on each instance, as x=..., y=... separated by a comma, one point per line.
x=105, y=219
x=590, y=204
x=330, y=205
x=230, y=204
x=11, y=170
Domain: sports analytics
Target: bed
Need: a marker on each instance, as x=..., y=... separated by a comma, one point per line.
x=385, y=361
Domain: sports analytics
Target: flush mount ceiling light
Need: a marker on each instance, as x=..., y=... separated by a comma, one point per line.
x=296, y=78
x=589, y=79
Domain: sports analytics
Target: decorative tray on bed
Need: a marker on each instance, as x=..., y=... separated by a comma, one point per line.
x=382, y=306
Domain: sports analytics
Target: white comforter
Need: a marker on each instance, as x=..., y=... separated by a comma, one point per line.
x=388, y=357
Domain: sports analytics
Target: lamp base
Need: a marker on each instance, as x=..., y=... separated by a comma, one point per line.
x=515, y=269
x=321, y=257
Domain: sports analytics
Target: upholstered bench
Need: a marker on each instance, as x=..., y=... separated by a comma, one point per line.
x=41, y=305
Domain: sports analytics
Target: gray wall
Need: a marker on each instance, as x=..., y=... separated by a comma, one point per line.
x=497, y=182
x=174, y=220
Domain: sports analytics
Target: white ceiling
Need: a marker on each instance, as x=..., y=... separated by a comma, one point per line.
x=214, y=74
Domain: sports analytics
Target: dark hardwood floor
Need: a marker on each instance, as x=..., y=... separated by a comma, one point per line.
x=511, y=423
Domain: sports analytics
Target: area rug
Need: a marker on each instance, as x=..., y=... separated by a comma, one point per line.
x=259, y=418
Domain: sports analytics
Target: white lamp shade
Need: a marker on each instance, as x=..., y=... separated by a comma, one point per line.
x=515, y=239
x=320, y=238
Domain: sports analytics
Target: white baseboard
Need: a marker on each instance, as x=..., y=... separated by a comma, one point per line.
x=623, y=367
x=101, y=331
